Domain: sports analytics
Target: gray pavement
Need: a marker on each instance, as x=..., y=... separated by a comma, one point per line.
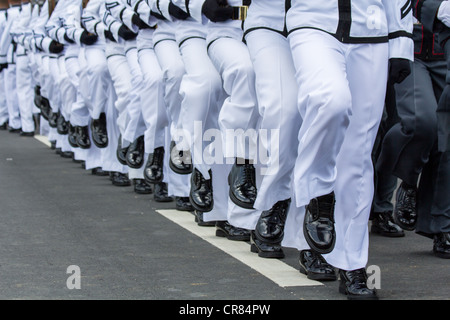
x=54, y=214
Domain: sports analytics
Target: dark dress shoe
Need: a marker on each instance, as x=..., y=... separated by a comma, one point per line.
x=226, y=230
x=4, y=126
x=183, y=204
x=242, y=182
x=142, y=187
x=200, y=221
x=72, y=137
x=82, y=137
x=62, y=126
x=161, y=193
x=27, y=134
x=52, y=144
x=180, y=161
x=135, y=153
x=99, y=132
x=14, y=130
x=99, y=172
x=201, y=192
x=382, y=224
x=441, y=245
x=153, y=171
x=58, y=150
x=53, y=119
x=119, y=179
x=354, y=284
x=318, y=225
x=405, y=214
x=315, y=267
x=66, y=154
x=269, y=231
x=121, y=152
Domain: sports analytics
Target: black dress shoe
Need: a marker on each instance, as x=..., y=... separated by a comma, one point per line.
x=53, y=119
x=99, y=172
x=153, y=171
x=405, y=214
x=119, y=179
x=27, y=134
x=82, y=137
x=183, y=204
x=226, y=230
x=180, y=161
x=99, y=132
x=72, y=137
x=62, y=126
x=269, y=231
x=121, y=152
x=142, y=187
x=52, y=144
x=135, y=153
x=66, y=154
x=14, y=130
x=4, y=126
x=161, y=193
x=201, y=222
x=382, y=224
x=201, y=192
x=354, y=284
x=441, y=245
x=242, y=182
x=315, y=267
x=318, y=225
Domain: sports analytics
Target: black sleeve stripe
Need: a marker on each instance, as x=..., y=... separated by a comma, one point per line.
x=406, y=8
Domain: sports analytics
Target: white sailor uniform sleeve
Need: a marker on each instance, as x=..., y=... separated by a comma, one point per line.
x=144, y=11
x=55, y=25
x=400, y=23
x=192, y=7
x=6, y=43
x=18, y=32
x=122, y=12
x=92, y=19
x=162, y=8
x=74, y=31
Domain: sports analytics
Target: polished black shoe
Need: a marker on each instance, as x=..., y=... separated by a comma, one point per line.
x=4, y=126
x=66, y=154
x=121, y=152
x=180, y=161
x=99, y=172
x=441, y=245
x=201, y=193
x=153, y=171
x=62, y=126
x=72, y=137
x=161, y=193
x=27, y=134
x=52, y=144
x=99, y=132
x=318, y=225
x=46, y=110
x=183, y=204
x=383, y=224
x=269, y=231
x=82, y=137
x=119, y=179
x=405, y=214
x=242, y=182
x=201, y=222
x=53, y=119
x=354, y=284
x=226, y=230
x=135, y=153
x=315, y=267
x=15, y=130
x=142, y=187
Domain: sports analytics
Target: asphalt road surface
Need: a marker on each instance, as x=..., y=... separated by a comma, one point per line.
x=66, y=234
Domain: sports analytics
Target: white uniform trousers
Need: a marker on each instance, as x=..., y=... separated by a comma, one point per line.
x=3, y=105
x=12, y=99
x=25, y=91
x=341, y=98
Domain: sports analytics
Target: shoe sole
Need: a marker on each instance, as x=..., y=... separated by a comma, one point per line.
x=402, y=225
x=223, y=234
x=199, y=208
x=265, y=254
x=343, y=290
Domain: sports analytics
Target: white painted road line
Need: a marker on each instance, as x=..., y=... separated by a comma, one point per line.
x=42, y=139
x=274, y=269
